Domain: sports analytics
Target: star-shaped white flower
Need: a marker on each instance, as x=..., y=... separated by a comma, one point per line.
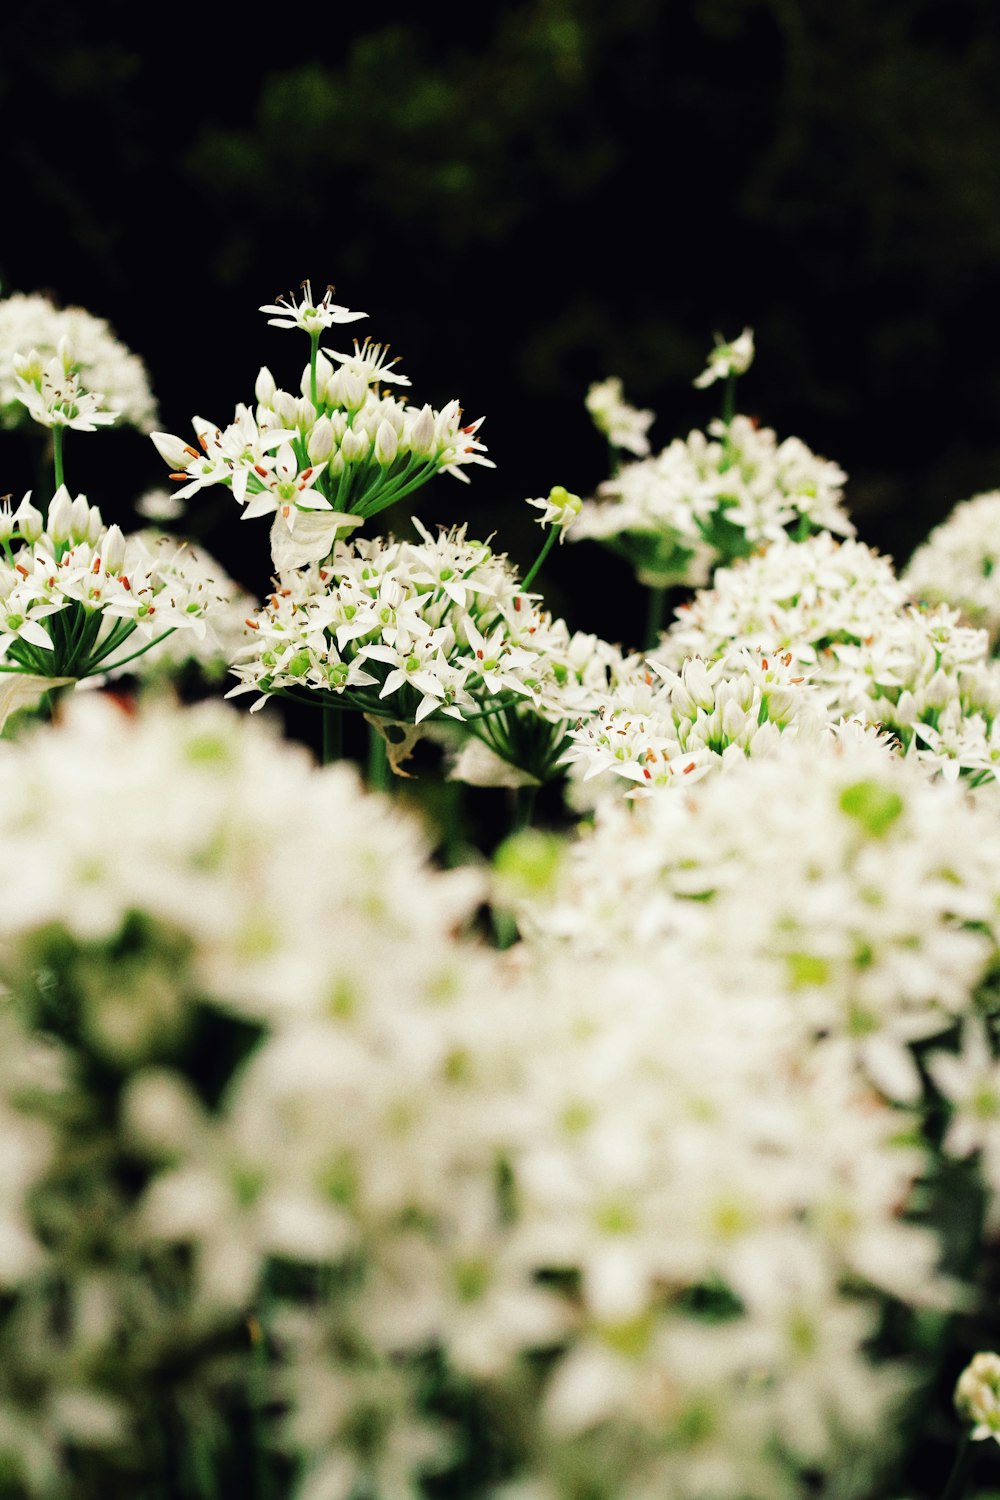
x=312, y=317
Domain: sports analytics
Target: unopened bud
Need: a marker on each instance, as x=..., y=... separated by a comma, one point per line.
x=95, y=525
x=113, y=549
x=175, y=453
x=386, y=444
x=79, y=519
x=265, y=387
x=286, y=407
x=354, y=446
x=353, y=391
x=422, y=433
x=29, y=521
x=60, y=525
x=319, y=445
x=305, y=414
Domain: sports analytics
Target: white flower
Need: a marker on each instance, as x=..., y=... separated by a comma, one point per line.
x=622, y=424
x=728, y=359
x=977, y=1396
x=312, y=317
x=33, y=322
x=559, y=508
x=370, y=362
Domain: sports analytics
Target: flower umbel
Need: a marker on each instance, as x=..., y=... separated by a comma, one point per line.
x=977, y=1396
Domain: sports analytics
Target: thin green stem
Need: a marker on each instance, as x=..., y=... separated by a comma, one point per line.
x=524, y=807
x=57, y=455
x=959, y=1476
x=313, y=351
x=553, y=532
x=333, y=735
x=114, y=665
x=656, y=604
x=729, y=398
x=378, y=760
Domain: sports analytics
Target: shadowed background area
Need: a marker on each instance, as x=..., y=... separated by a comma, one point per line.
x=527, y=197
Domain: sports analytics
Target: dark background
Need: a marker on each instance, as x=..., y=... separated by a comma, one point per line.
x=527, y=197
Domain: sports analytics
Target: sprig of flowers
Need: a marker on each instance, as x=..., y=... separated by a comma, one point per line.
x=322, y=461
x=73, y=591
x=99, y=361
x=707, y=499
x=959, y=564
x=918, y=673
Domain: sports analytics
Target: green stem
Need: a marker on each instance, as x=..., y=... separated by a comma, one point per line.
x=959, y=1475
x=333, y=735
x=313, y=351
x=656, y=603
x=114, y=665
x=524, y=807
x=729, y=398
x=553, y=532
x=57, y=454
x=378, y=760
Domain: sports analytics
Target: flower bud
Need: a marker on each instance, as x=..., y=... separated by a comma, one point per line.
x=95, y=525
x=265, y=388
x=79, y=519
x=28, y=520
x=305, y=413
x=6, y=519
x=113, y=550
x=354, y=446
x=319, y=444
x=175, y=453
x=698, y=684
x=386, y=444
x=422, y=433
x=353, y=391
x=60, y=524
x=286, y=407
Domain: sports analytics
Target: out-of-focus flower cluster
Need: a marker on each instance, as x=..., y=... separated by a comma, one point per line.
x=959, y=564
x=69, y=345
x=251, y=1072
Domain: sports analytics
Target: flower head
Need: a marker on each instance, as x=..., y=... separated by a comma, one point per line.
x=728, y=359
x=623, y=425
x=312, y=317
x=977, y=1395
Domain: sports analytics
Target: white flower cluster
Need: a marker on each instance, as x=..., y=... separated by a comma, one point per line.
x=665, y=728
x=830, y=872
x=33, y=328
x=228, y=605
x=709, y=498
x=920, y=674
x=623, y=425
x=751, y=965
x=161, y=859
x=73, y=590
x=959, y=564
x=614, y=1159
x=323, y=460
x=977, y=1395
x=406, y=630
